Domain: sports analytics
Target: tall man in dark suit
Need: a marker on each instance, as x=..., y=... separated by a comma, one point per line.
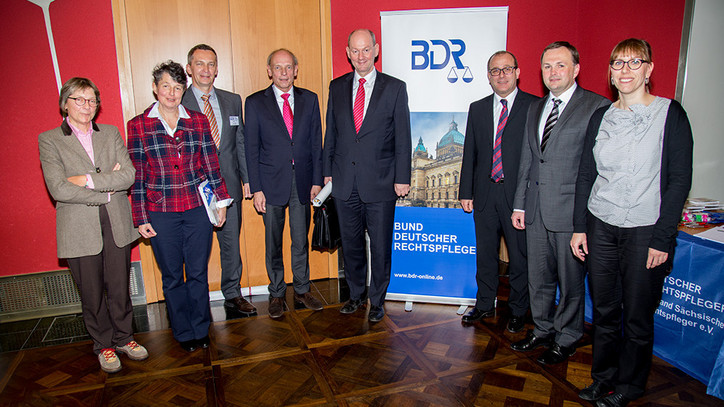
x=223, y=109
x=488, y=175
x=284, y=155
x=367, y=156
x=544, y=196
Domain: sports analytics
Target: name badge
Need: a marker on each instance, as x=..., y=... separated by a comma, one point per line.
x=234, y=120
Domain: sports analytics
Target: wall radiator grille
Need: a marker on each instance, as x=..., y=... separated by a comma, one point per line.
x=52, y=293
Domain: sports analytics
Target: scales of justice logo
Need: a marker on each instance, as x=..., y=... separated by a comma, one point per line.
x=437, y=55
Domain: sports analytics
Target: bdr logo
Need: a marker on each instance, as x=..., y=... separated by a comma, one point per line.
x=423, y=56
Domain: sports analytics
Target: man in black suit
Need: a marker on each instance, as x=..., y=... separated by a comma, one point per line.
x=367, y=156
x=494, y=135
x=543, y=204
x=284, y=157
x=223, y=109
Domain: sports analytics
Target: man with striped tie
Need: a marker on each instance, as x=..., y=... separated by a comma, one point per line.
x=223, y=110
x=493, y=137
x=543, y=205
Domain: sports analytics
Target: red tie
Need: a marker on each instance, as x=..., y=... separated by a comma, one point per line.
x=288, y=116
x=359, y=104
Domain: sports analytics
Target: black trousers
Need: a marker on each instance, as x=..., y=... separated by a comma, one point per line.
x=378, y=219
x=625, y=296
x=490, y=222
x=102, y=280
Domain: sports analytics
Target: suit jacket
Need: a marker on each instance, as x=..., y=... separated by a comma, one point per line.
x=549, y=178
x=478, y=153
x=232, y=159
x=78, y=226
x=380, y=155
x=270, y=151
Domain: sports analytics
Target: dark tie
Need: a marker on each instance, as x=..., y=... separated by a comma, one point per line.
x=287, y=113
x=550, y=124
x=497, y=172
x=359, y=105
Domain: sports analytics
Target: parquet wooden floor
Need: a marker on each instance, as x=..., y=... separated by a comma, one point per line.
x=426, y=357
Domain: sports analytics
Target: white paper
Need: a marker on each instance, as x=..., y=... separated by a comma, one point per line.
x=716, y=234
x=209, y=199
x=323, y=194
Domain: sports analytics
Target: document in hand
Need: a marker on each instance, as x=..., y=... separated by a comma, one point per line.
x=209, y=199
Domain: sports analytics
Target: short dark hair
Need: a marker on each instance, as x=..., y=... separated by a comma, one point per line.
x=502, y=52
x=269, y=58
x=202, y=47
x=173, y=69
x=372, y=34
x=72, y=85
x=562, y=44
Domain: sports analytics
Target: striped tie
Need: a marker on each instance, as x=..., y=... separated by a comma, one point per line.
x=209, y=112
x=359, y=105
x=497, y=173
x=287, y=113
x=550, y=124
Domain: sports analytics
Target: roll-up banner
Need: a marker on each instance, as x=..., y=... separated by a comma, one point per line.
x=441, y=55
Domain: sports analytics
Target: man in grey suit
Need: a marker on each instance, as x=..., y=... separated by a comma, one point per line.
x=543, y=204
x=223, y=109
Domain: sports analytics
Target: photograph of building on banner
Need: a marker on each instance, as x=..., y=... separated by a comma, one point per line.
x=441, y=55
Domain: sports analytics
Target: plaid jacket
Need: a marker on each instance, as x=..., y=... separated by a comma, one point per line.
x=169, y=169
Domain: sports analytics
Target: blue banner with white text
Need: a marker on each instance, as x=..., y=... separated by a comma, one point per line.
x=433, y=253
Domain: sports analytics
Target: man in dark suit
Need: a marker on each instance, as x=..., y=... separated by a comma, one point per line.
x=284, y=155
x=223, y=109
x=494, y=135
x=367, y=156
x=544, y=198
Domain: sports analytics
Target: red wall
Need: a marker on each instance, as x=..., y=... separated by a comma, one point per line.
x=85, y=46
x=83, y=33
x=594, y=27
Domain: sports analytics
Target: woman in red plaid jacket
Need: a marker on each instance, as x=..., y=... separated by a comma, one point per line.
x=173, y=152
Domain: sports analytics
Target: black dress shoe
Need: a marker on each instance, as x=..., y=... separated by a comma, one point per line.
x=350, y=306
x=477, y=314
x=595, y=391
x=204, y=342
x=613, y=400
x=376, y=313
x=531, y=342
x=240, y=304
x=188, y=346
x=556, y=354
x=516, y=324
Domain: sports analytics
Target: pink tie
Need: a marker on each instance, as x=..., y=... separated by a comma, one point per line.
x=288, y=116
x=359, y=105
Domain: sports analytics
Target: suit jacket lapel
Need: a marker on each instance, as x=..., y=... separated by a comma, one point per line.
x=569, y=111
x=536, y=125
x=299, y=107
x=224, y=106
x=488, y=123
x=270, y=100
x=374, y=101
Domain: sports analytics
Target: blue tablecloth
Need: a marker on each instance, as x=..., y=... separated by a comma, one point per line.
x=689, y=330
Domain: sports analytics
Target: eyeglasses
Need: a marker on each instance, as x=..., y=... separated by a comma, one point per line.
x=80, y=101
x=633, y=64
x=507, y=70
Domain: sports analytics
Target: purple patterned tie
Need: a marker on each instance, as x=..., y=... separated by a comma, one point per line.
x=497, y=173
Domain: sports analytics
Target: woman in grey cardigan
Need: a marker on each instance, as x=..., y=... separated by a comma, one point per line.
x=87, y=171
x=634, y=177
